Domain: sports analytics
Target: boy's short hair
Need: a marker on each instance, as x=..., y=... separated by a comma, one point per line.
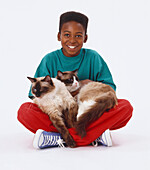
x=73, y=16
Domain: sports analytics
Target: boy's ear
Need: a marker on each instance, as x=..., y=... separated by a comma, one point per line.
x=85, y=39
x=58, y=36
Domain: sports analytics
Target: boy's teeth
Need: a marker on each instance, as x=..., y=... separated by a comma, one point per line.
x=71, y=47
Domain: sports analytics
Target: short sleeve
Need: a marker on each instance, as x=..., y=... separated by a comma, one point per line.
x=103, y=73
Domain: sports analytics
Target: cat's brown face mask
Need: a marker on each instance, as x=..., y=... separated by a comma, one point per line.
x=41, y=85
x=70, y=79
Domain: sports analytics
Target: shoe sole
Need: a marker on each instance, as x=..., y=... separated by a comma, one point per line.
x=36, y=138
x=107, y=138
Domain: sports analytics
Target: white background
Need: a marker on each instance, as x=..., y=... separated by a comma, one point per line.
x=120, y=31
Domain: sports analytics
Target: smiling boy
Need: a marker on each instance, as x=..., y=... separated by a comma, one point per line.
x=72, y=36
x=91, y=67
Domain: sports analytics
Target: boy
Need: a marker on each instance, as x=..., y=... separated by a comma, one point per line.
x=91, y=67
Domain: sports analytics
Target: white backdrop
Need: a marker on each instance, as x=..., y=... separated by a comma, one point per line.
x=118, y=29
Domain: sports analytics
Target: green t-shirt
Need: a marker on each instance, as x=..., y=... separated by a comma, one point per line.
x=89, y=63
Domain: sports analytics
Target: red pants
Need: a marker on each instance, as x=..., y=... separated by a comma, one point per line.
x=33, y=119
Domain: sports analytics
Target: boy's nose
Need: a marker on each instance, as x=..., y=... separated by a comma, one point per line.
x=72, y=39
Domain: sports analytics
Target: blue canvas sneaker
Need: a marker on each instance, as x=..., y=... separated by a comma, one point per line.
x=104, y=139
x=43, y=139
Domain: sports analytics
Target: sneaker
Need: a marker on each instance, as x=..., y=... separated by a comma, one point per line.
x=43, y=139
x=104, y=139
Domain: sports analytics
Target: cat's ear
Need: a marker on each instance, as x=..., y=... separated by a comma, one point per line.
x=48, y=79
x=59, y=73
x=32, y=79
x=75, y=71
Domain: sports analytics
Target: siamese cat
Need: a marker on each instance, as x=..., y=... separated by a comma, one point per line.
x=93, y=99
x=53, y=98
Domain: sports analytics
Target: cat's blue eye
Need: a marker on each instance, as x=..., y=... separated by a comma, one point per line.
x=34, y=90
x=70, y=80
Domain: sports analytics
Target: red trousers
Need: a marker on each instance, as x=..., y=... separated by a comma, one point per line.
x=33, y=119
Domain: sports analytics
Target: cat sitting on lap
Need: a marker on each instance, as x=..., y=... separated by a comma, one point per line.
x=93, y=99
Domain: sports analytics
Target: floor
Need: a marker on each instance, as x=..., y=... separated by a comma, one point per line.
x=130, y=150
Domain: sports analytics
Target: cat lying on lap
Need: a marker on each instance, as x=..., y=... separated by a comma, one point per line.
x=93, y=99
x=53, y=98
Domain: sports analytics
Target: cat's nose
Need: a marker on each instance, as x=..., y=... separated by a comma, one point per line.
x=76, y=84
x=37, y=95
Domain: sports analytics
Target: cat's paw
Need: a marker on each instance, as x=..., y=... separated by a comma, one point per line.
x=70, y=142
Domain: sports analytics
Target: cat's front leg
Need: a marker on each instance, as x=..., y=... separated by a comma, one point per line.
x=80, y=127
x=72, y=115
x=58, y=122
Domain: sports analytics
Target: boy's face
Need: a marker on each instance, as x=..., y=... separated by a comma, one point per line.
x=72, y=37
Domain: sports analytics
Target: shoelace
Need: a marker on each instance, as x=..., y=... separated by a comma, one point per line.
x=60, y=142
x=52, y=141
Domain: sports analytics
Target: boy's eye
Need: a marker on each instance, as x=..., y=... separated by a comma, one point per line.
x=78, y=36
x=66, y=35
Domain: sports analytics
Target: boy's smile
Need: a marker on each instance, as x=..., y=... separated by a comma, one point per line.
x=72, y=37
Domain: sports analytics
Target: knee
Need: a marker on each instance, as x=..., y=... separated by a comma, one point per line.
x=23, y=110
x=127, y=106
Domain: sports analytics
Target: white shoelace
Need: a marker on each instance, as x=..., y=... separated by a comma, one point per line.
x=53, y=140
x=60, y=143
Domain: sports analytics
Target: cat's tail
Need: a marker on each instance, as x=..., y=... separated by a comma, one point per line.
x=102, y=104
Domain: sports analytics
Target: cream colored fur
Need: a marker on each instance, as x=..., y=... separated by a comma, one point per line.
x=84, y=106
x=59, y=98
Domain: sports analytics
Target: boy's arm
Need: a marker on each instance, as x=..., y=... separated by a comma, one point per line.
x=105, y=76
x=100, y=72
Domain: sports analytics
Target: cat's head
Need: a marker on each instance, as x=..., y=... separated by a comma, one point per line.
x=70, y=79
x=41, y=85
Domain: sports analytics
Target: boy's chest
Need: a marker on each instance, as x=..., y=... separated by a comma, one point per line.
x=85, y=66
